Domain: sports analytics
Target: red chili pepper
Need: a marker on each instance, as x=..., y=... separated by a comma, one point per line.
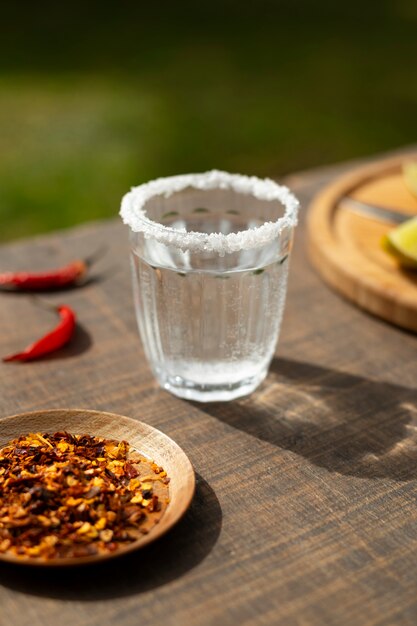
x=52, y=341
x=70, y=274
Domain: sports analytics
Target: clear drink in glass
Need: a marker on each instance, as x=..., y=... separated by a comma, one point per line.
x=210, y=257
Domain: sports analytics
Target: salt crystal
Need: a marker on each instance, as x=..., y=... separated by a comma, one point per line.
x=133, y=211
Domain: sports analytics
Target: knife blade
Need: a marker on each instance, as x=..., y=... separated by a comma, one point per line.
x=382, y=213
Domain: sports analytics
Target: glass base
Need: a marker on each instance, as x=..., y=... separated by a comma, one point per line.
x=210, y=393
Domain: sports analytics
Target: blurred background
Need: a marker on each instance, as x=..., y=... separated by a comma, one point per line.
x=98, y=96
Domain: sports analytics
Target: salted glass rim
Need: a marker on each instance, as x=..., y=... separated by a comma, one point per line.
x=133, y=211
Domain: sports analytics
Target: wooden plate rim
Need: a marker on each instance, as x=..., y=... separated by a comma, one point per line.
x=158, y=530
x=325, y=253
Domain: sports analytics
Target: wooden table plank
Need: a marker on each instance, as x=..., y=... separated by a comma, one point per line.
x=305, y=511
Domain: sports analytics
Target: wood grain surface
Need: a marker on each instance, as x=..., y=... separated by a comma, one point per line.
x=346, y=247
x=305, y=509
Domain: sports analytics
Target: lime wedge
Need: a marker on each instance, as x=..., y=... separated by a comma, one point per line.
x=401, y=242
x=410, y=176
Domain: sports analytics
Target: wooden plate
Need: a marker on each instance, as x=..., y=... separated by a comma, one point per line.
x=147, y=440
x=345, y=247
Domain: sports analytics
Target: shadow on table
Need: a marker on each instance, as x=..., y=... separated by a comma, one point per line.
x=177, y=552
x=341, y=422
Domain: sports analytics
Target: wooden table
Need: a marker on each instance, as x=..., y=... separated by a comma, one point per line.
x=305, y=511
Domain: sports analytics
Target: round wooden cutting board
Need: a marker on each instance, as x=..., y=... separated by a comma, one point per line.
x=345, y=247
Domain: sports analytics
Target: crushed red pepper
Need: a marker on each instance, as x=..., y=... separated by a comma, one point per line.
x=65, y=495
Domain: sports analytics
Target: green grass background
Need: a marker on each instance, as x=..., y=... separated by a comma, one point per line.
x=98, y=96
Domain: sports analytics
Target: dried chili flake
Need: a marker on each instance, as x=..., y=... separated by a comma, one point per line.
x=65, y=495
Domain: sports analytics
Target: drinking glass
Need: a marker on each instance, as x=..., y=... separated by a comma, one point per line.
x=210, y=255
